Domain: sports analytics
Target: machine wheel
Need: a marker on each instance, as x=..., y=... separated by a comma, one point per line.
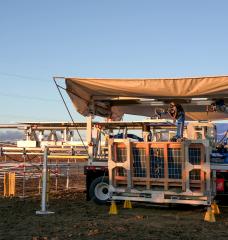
x=98, y=190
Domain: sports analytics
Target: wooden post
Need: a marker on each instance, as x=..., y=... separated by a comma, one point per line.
x=9, y=184
x=130, y=165
x=147, y=166
x=202, y=174
x=166, y=171
x=183, y=167
x=6, y=184
x=12, y=183
x=187, y=164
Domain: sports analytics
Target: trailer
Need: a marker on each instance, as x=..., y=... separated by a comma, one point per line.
x=149, y=167
x=170, y=172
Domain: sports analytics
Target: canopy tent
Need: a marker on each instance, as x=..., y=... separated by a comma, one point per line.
x=115, y=97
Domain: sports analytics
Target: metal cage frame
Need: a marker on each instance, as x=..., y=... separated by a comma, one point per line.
x=176, y=186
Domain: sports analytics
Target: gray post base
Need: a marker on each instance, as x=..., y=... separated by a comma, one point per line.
x=44, y=212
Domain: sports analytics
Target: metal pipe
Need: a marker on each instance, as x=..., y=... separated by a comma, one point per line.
x=44, y=182
x=24, y=172
x=67, y=173
x=56, y=175
x=8, y=126
x=44, y=185
x=21, y=153
x=55, y=148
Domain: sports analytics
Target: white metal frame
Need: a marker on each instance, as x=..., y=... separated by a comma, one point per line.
x=147, y=195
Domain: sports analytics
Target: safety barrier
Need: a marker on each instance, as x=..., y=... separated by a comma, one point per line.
x=9, y=184
x=64, y=175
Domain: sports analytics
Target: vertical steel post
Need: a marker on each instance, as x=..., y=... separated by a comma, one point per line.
x=56, y=175
x=24, y=173
x=43, y=210
x=44, y=182
x=67, y=172
x=89, y=138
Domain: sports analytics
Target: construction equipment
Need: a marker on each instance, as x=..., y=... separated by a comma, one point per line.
x=157, y=169
x=148, y=167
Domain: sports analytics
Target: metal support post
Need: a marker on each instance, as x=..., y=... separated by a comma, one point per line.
x=56, y=175
x=43, y=210
x=24, y=173
x=89, y=138
x=67, y=173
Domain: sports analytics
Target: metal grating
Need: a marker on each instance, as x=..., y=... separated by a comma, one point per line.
x=139, y=162
x=121, y=154
x=194, y=156
x=195, y=174
x=157, y=162
x=120, y=171
x=174, y=163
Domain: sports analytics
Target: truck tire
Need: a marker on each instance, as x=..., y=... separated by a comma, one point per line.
x=98, y=190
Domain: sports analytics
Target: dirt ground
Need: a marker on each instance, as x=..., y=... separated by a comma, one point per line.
x=75, y=218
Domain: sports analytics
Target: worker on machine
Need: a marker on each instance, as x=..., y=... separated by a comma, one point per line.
x=147, y=135
x=177, y=113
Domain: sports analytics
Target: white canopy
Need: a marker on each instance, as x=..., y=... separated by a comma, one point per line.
x=115, y=97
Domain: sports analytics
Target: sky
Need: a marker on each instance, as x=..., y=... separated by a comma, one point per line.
x=102, y=38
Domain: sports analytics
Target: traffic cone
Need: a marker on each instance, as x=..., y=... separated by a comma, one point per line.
x=215, y=208
x=127, y=204
x=113, y=208
x=209, y=216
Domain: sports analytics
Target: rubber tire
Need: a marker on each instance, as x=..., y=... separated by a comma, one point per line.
x=92, y=190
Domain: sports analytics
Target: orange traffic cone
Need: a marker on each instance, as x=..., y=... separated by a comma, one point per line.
x=127, y=204
x=113, y=208
x=215, y=208
x=209, y=216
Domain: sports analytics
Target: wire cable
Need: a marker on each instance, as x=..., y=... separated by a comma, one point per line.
x=70, y=114
x=223, y=136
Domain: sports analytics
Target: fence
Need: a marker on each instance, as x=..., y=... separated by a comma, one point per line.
x=63, y=175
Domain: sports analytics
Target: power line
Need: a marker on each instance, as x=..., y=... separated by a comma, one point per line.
x=2, y=94
x=21, y=76
x=71, y=117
